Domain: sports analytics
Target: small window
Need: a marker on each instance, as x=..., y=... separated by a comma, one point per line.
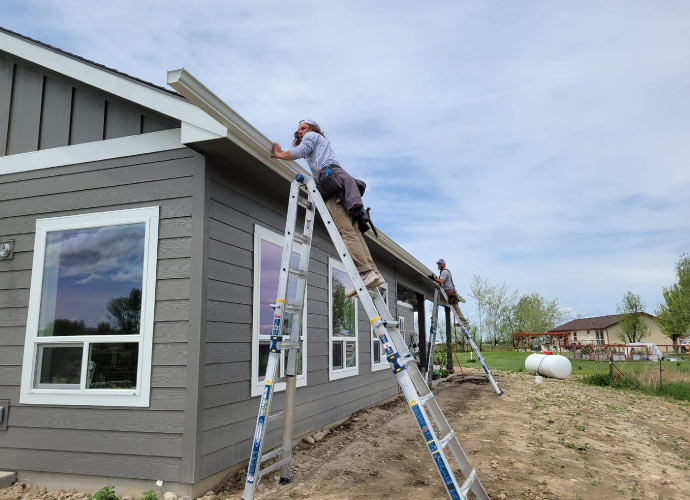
x=378, y=356
x=574, y=337
x=90, y=322
x=343, y=338
x=268, y=252
x=600, y=337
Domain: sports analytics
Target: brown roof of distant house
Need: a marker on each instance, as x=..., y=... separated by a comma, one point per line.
x=596, y=323
x=92, y=63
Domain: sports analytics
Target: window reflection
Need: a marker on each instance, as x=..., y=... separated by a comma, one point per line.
x=112, y=366
x=59, y=365
x=92, y=281
x=271, y=254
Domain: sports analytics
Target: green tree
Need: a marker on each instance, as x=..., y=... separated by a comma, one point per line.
x=673, y=315
x=127, y=311
x=499, y=304
x=633, y=325
x=534, y=313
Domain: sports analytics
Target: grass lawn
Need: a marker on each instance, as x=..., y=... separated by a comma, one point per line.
x=514, y=361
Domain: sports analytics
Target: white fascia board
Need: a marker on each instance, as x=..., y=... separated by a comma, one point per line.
x=242, y=133
x=152, y=142
x=239, y=130
x=398, y=251
x=119, y=85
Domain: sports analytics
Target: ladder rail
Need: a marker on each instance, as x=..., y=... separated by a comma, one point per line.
x=295, y=334
x=474, y=347
x=409, y=377
x=432, y=339
x=432, y=423
x=272, y=366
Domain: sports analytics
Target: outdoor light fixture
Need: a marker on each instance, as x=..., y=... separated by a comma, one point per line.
x=6, y=249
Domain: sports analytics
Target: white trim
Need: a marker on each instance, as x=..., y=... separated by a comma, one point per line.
x=109, y=81
x=114, y=397
x=405, y=304
x=383, y=364
x=92, y=151
x=243, y=134
x=237, y=129
x=257, y=386
x=334, y=374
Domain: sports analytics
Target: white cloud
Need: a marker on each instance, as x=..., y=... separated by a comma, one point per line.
x=544, y=144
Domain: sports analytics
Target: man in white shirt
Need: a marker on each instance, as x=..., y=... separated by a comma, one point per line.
x=445, y=279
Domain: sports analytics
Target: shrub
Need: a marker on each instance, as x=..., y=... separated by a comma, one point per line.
x=105, y=493
x=150, y=495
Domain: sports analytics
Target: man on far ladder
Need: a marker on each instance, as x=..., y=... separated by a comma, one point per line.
x=445, y=279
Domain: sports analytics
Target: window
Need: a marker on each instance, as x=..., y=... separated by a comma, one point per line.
x=574, y=337
x=90, y=323
x=342, y=328
x=600, y=337
x=268, y=251
x=378, y=356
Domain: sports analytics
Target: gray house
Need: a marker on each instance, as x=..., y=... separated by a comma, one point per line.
x=139, y=235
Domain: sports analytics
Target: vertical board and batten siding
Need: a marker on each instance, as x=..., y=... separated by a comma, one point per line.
x=237, y=203
x=42, y=110
x=142, y=443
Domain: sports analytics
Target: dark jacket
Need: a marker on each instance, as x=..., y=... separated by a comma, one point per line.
x=335, y=181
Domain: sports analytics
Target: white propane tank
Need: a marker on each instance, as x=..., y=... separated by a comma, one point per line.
x=551, y=365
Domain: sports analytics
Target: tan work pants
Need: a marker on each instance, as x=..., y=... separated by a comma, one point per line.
x=351, y=235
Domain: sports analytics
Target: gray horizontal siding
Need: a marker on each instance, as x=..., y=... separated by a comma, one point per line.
x=128, y=442
x=41, y=110
x=229, y=413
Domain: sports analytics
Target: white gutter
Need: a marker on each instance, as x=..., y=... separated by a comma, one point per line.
x=242, y=133
x=239, y=130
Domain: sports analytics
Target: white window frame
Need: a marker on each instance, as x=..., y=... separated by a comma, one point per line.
x=257, y=385
x=383, y=364
x=335, y=374
x=30, y=394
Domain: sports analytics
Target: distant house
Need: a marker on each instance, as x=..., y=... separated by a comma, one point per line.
x=145, y=229
x=607, y=330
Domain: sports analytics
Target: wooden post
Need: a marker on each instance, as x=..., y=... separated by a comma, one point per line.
x=421, y=327
x=449, y=342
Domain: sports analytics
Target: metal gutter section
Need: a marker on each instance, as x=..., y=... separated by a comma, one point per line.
x=242, y=133
x=239, y=130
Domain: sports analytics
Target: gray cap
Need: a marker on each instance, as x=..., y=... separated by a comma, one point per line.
x=441, y=261
x=310, y=122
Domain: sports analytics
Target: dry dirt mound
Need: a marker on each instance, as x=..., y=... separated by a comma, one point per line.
x=557, y=440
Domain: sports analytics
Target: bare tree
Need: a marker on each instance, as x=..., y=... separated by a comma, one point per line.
x=480, y=289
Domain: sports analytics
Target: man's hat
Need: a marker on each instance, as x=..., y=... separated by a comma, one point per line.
x=441, y=261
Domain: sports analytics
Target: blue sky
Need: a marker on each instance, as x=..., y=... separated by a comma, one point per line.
x=544, y=144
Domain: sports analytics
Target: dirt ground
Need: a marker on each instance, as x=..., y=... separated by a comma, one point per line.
x=555, y=440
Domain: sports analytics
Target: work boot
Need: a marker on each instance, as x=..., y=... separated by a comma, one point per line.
x=372, y=279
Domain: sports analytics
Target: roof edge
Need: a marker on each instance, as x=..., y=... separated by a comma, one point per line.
x=246, y=136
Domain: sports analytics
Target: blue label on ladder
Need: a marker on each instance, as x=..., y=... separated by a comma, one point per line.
x=436, y=455
x=254, y=458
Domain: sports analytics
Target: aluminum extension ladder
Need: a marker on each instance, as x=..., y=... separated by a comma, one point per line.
x=427, y=413
x=432, y=342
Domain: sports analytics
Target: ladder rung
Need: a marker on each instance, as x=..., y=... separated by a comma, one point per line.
x=304, y=202
x=291, y=344
x=273, y=467
x=302, y=238
x=468, y=484
x=271, y=454
x=296, y=271
x=391, y=324
x=444, y=442
x=275, y=416
x=293, y=308
x=423, y=399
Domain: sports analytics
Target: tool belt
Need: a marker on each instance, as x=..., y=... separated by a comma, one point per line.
x=328, y=183
x=452, y=296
